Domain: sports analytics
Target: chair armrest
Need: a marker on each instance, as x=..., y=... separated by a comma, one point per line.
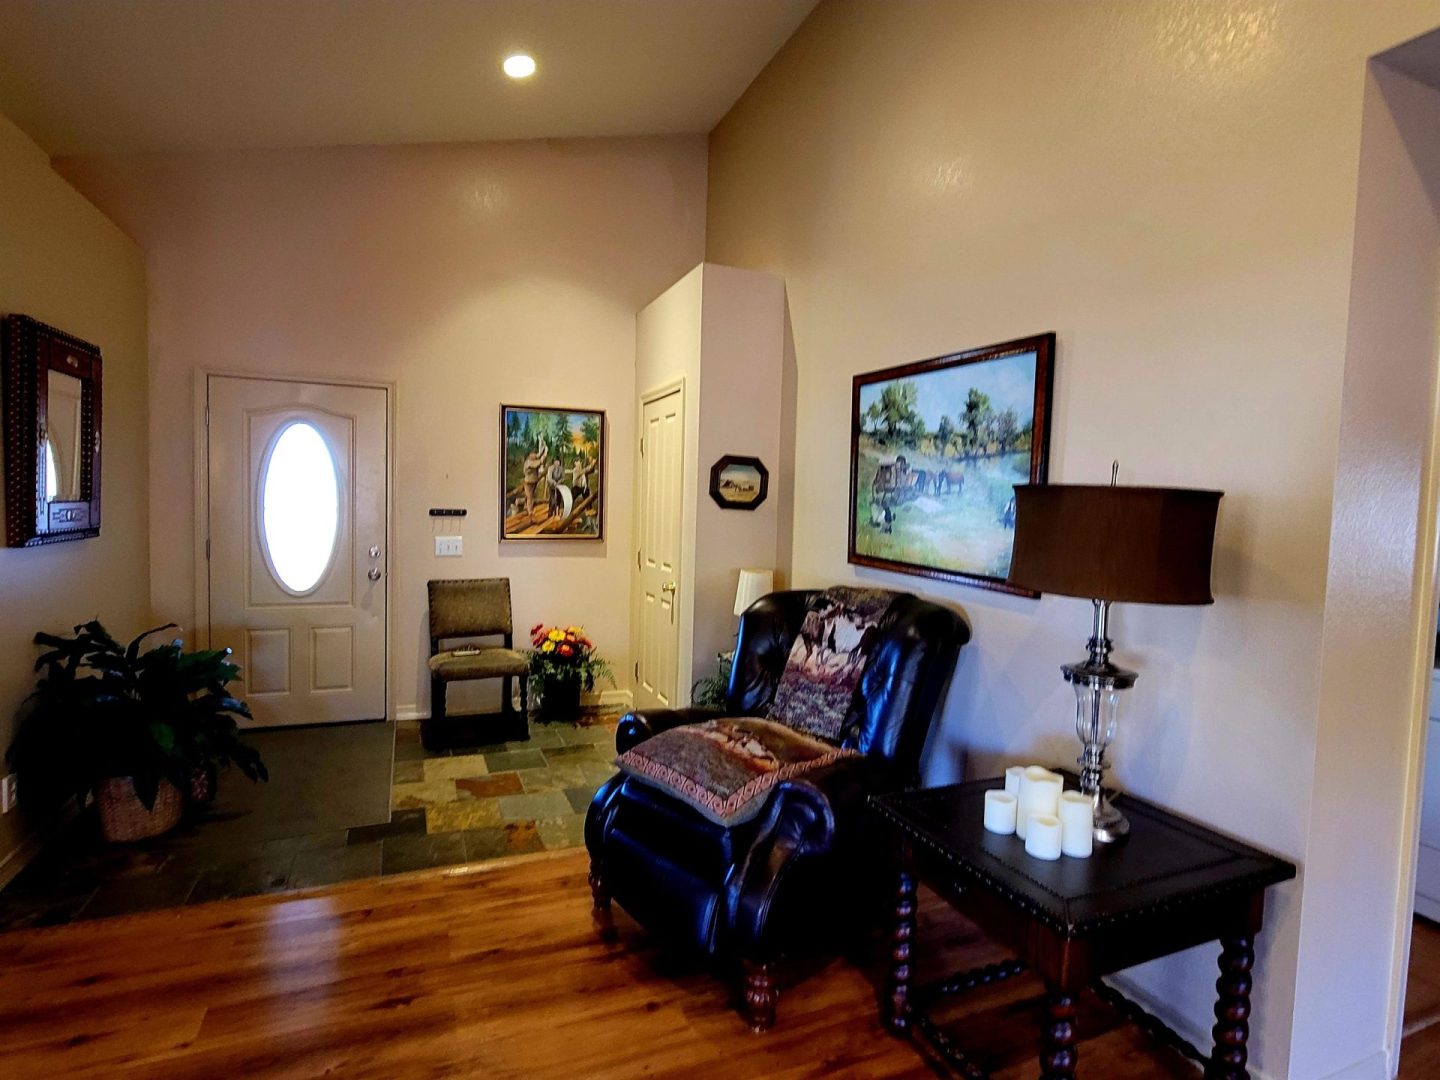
x=637, y=726
x=813, y=815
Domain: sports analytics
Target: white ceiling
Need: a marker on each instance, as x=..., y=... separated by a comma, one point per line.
x=118, y=76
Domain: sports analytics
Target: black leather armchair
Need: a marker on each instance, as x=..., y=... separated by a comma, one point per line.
x=810, y=869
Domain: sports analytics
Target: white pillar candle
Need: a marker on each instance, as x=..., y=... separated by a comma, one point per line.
x=1039, y=794
x=1043, y=839
x=1000, y=809
x=1012, y=779
x=1077, y=824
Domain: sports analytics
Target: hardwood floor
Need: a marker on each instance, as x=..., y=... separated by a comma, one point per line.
x=489, y=972
x=1420, y=1049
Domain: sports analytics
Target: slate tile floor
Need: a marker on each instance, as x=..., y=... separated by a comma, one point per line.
x=507, y=799
x=450, y=806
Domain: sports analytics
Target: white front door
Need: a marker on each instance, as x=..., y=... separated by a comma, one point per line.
x=662, y=451
x=296, y=525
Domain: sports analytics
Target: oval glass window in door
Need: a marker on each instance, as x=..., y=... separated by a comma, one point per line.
x=299, y=507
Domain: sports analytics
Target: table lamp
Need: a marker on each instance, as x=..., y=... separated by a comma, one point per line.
x=753, y=585
x=1139, y=545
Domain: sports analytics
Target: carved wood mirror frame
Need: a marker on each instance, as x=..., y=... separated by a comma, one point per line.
x=33, y=515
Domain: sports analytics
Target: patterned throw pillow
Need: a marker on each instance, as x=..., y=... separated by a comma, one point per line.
x=827, y=660
x=726, y=768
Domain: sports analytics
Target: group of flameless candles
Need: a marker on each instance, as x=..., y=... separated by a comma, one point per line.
x=1036, y=807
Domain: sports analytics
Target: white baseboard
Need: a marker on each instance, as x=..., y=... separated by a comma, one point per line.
x=1374, y=1067
x=616, y=699
x=620, y=699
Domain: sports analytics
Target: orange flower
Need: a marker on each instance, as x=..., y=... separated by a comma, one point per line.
x=565, y=650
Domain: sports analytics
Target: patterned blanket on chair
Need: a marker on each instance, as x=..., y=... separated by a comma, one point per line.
x=727, y=768
x=827, y=660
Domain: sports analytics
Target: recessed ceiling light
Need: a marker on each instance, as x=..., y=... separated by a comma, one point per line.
x=519, y=65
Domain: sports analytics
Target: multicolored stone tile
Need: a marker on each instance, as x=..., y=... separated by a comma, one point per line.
x=562, y=832
x=424, y=794
x=546, y=804
x=490, y=787
x=513, y=838
x=408, y=772
x=465, y=814
x=552, y=778
x=452, y=768
x=511, y=760
x=511, y=798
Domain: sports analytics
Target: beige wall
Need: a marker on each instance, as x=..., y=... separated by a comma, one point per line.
x=62, y=262
x=1172, y=188
x=1379, y=602
x=742, y=353
x=719, y=330
x=466, y=275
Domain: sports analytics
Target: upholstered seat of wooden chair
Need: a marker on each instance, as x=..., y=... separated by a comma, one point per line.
x=468, y=609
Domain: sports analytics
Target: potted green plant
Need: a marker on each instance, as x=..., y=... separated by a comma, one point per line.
x=709, y=692
x=135, y=730
x=563, y=663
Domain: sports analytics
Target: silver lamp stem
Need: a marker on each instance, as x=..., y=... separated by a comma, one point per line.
x=1092, y=757
x=1096, y=683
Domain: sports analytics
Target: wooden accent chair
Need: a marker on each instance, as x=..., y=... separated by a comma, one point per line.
x=475, y=608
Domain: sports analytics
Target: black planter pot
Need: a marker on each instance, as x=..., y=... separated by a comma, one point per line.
x=559, y=701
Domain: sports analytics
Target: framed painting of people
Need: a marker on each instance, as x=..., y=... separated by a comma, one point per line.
x=936, y=449
x=552, y=473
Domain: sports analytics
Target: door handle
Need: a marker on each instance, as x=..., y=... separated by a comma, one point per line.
x=374, y=574
x=374, y=552
x=669, y=586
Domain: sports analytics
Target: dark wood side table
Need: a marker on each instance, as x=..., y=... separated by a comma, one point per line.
x=1171, y=885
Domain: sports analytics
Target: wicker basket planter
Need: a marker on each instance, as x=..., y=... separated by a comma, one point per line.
x=123, y=817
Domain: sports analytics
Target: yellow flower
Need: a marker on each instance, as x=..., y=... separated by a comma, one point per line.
x=556, y=635
x=549, y=646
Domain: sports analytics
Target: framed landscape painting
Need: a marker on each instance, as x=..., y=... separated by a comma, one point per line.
x=936, y=449
x=552, y=473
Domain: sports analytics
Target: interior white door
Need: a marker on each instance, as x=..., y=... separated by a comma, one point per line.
x=662, y=450
x=296, y=537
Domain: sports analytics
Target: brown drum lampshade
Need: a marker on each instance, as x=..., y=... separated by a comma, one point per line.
x=1138, y=544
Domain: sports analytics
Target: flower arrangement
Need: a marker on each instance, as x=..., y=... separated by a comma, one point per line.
x=563, y=662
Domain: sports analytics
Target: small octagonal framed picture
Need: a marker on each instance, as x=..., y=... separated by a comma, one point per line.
x=739, y=483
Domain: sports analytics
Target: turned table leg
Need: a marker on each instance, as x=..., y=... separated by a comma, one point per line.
x=1232, y=1010
x=1058, y=1054
x=759, y=996
x=897, y=997
x=600, y=895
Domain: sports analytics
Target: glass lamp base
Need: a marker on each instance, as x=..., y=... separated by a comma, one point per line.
x=1110, y=824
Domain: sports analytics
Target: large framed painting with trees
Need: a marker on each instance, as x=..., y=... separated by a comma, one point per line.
x=936, y=449
x=552, y=473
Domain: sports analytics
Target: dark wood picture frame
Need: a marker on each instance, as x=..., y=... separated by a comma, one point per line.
x=550, y=528
x=32, y=351
x=729, y=502
x=944, y=482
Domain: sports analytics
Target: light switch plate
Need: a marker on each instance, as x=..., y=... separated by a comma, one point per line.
x=9, y=793
x=449, y=545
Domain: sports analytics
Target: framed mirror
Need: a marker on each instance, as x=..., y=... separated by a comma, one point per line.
x=52, y=434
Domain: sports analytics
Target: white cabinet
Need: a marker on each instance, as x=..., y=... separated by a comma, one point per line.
x=1427, y=873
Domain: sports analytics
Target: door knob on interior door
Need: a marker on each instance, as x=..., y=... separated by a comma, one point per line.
x=374, y=552
x=669, y=586
x=374, y=574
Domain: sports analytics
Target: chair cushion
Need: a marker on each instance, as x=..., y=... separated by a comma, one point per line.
x=489, y=663
x=816, y=693
x=726, y=768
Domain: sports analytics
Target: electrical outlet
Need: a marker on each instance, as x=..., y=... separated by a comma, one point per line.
x=9, y=792
x=449, y=545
